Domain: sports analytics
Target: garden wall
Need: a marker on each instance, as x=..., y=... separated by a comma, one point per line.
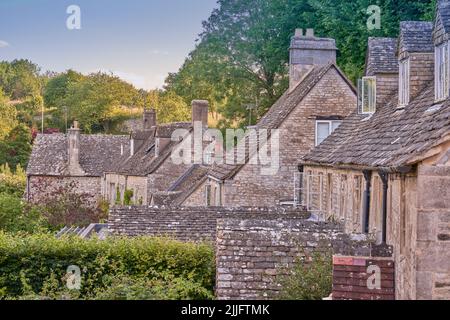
x=251, y=254
x=186, y=224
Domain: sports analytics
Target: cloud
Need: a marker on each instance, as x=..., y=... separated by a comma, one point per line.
x=159, y=52
x=3, y=44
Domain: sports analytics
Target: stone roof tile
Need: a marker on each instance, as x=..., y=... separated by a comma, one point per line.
x=98, y=153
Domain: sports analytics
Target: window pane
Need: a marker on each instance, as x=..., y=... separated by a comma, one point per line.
x=369, y=95
x=323, y=131
x=335, y=125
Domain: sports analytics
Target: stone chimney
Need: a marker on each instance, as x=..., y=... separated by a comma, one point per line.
x=162, y=140
x=306, y=51
x=74, y=167
x=149, y=119
x=200, y=112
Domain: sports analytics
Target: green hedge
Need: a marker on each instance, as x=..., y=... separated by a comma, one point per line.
x=36, y=266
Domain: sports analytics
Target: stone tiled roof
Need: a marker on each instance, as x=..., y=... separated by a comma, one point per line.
x=98, y=153
x=181, y=189
x=444, y=13
x=381, y=56
x=391, y=138
x=144, y=162
x=279, y=112
x=416, y=36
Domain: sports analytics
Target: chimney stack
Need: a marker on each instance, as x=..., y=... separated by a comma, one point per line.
x=200, y=112
x=74, y=167
x=307, y=51
x=149, y=119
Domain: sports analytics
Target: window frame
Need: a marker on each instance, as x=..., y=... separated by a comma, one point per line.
x=330, y=128
x=361, y=93
x=441, y=89
x=404, y=82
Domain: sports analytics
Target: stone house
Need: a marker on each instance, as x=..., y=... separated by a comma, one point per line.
x=74, y=162
x=148, y=170
x=386, y=170
x=318, y=99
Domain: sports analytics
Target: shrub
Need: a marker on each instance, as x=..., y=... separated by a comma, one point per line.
x=127, y=197
x=34, y=267
x=12, y=183
x=309, y=279
x=16, y=216
x=64, y=205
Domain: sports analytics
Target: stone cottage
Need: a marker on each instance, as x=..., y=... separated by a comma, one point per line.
x=72, y=162
x=148, y=171
x=318, y=99
x=386, y=170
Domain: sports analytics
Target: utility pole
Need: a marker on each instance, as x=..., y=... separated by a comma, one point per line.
x=66, y=116
x=42, y=107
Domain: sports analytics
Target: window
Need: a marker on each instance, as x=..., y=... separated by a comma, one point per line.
x=404, y=83
x=441, y=71
x=208, y=195
x=324, y=128
x=367, y=88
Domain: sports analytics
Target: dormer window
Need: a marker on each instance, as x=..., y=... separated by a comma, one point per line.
x=367, y=88
x=324, y=128
x=442, y=72
x=404, y=83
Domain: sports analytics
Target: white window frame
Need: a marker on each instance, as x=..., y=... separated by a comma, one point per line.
x=330, y=128
x=404, y=82
x=361, y=93
x=442, y=77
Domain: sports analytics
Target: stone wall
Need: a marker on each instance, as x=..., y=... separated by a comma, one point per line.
x=353, y=278
x=433, y=233
x=343, y=200
x=185, y=224
x=137, y=184
x=197, y=198
x=332, y=96
x=421, y=72
x=387, y=84
x=253, y=253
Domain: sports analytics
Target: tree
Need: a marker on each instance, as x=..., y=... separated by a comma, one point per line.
x=20, y=79
x=8, y=116
x=91, y=99
x=243, y=54
x=16, y=148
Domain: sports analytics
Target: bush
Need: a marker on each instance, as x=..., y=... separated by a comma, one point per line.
x=12, y=183
x=16, y=216
x=34, y=267
x=311, y=278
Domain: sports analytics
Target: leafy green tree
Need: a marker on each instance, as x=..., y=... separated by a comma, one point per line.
x=16, y=216
x=20, y=79
x=242, y=56
x=8, y=116
x=15, y=149
x=92, y=100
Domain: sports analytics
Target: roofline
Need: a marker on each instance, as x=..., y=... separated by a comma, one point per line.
x=184, y=195
x=61, y=176
x=391, y=169
x=328, y=67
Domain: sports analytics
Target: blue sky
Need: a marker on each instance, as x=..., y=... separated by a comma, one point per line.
x=139, y=40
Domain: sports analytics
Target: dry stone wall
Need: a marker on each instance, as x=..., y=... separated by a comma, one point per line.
x=184, y=223
x=252, y=254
